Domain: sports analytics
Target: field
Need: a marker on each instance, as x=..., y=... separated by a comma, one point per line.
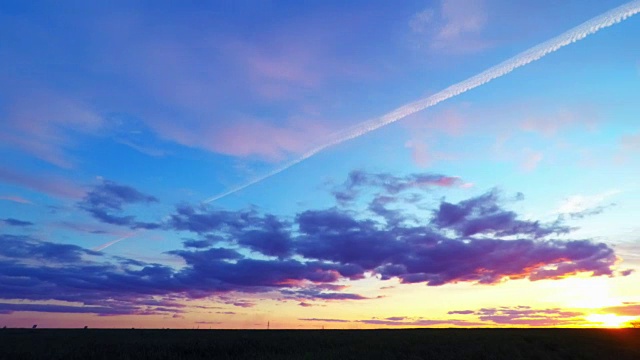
x=445, y=344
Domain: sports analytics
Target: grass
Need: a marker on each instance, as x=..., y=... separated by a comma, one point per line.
x=444, y=344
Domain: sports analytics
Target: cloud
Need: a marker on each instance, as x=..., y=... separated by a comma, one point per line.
x=269, y=142
x=46, y=183
x=551, y=124
x=390, y=184
x=580, y=206
x=630, y=143
x=8, y=308
x=325, y=320
x=626, y=309
x=488, y=317
x=42, y=124
x=16, y=199
x=530, y=160
x=16, y=222
x=420, y=322
x=106, y=200
x=525, y=315
x=304, y=257
x=483, y=215
x=455, y=27
x=22, y=248
x=202, y=221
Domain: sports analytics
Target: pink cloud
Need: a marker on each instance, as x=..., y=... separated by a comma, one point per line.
x=626, y=309
x=550, y=124
x=50, y=185
x=15, y=198
x=423, y=156
x=455, y=27
x=631, y=142
x=531, y=159
x=427, y=129
x=249, y=137
x=41, y=123
x=524, y=315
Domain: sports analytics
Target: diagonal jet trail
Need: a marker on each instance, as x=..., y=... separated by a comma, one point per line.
x=579, y=32
x=587, y=28
x=113, y=242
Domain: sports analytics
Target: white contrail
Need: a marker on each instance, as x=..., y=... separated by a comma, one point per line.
x=592, y=26
x=106, y=245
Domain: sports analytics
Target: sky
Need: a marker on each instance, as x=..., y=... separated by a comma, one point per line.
x=228, y=164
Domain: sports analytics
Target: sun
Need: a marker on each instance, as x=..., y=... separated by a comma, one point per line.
x=609, y=320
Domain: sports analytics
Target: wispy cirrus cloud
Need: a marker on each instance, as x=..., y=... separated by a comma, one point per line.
x=16, y=222
x=49, y=184
x=484, y=317
x=43, y=125
x=325, y=320
x=579, y=206
x=248, y=138
x=390, y=184
x=16, y=199
x=625, y=309
x=525, y=315
x=454, y=26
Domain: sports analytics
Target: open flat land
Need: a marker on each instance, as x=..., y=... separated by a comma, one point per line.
x=321, y=344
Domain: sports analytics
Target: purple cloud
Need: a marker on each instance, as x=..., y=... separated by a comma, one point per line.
x=420, y=322
x=15, y=199
x=475, y=241
x=626, y=309
x=483, y=215
x=524, y=315
x=46, y=183
x=389, y=184
x=8, y=308
x=26, y=248
x=325, y=320
x=105, y=203
x=16, y=222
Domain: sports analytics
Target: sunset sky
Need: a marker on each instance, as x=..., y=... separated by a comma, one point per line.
x=146, y=146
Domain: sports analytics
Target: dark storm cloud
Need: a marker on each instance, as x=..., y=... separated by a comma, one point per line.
x=16, y=222
x=106, y=201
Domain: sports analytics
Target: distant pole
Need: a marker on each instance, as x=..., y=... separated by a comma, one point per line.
x=268, y=325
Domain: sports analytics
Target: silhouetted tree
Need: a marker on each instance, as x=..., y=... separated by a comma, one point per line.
x=34, y=326
x=635, y=324
x=86, y=327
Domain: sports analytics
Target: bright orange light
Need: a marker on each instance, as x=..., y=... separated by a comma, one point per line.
x=609, y=320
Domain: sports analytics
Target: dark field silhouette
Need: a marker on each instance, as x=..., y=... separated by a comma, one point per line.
x=445, y=344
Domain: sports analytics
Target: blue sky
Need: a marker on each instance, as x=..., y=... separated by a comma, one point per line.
x=118, y=120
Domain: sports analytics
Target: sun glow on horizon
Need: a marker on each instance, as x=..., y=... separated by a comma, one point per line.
x=609, y=320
